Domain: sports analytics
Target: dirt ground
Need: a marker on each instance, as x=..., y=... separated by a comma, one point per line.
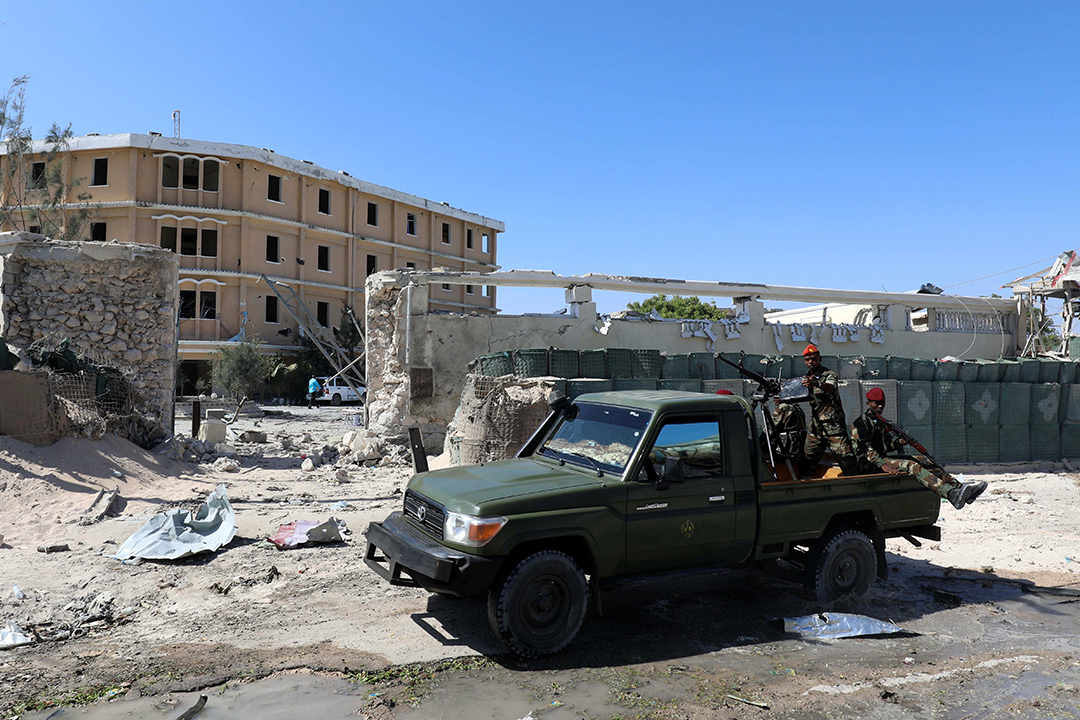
x=662, y=648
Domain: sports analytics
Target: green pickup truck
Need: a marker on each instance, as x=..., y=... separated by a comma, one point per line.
x=622, y=484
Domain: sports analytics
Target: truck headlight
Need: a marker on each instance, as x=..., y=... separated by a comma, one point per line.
x=469, y=530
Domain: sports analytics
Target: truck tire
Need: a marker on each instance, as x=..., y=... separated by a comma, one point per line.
x=540, y=605
x=336, y=400
x=842, y=564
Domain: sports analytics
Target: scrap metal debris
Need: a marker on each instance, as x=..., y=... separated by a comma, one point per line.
x=178, y=533
x=838, y=625
x=104, y=504
x=304, y=532
x=194, y=709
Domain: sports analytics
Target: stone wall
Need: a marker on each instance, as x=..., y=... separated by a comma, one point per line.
x=116, y=303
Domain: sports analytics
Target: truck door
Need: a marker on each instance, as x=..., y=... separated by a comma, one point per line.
x=686, y=523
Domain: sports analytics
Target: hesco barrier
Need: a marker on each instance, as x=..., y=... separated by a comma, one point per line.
x=984, y=411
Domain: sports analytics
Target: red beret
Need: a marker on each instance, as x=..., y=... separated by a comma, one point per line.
x=810, y=350
x=876, y=394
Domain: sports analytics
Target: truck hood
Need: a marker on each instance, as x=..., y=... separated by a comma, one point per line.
x=468, y=488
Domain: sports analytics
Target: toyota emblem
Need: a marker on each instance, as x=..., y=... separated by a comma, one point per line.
x=421, y=513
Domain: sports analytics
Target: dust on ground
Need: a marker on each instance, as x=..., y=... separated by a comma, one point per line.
x=661, y=648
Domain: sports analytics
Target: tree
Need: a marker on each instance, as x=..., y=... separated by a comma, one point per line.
x=680, y=308
x=240, y=369
x=34, y=190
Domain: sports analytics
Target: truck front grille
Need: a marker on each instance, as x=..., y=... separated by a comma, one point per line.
x=425, y=514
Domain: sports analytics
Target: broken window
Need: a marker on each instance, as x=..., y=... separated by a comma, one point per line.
x=273, y=188
x=468, y=238
x=97, y=231
x=446, y=287
x=489, y=291
x=168, y=238
x=486, y=244
x=209, y=243
x=210, y=175
x=101, y=172
x=170, y=172
x=271, y=309
x=324, y=201
x=272, y=254
x=191, y=174
x=187, y=303
x=410, y=265
x=34, y=229
x=469, y=290
x=372, y=264
x=189, y=241
x=208, y=305
x=322, y=313
x=446, y=233
x=37, y=175
x=410, y=224
x=324, y=258
x=372, y=214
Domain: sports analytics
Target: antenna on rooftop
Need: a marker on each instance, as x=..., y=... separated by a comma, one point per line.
x=176, y=123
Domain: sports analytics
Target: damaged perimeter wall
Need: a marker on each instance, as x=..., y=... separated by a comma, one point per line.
x=116, y=303
x=417, y=361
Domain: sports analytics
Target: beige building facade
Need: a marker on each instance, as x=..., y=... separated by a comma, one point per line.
x=234, y=213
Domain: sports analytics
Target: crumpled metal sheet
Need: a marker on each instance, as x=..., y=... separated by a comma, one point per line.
x=838, y=625
x=178, y=533
x=302, y=532
x=11, y=635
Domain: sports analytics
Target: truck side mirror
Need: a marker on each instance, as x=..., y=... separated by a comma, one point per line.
x=673, y=470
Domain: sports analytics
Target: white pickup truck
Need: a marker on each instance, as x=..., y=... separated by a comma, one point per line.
x=336, y=391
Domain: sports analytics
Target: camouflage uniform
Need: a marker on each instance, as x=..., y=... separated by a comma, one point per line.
x=828, y=427
x=871, y=445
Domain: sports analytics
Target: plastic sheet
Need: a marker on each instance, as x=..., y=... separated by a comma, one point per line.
x=179, y=533
x=304, y=532
x=838, y=625
x=11, y=635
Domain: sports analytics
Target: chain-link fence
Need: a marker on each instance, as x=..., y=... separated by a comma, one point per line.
x=496, y=416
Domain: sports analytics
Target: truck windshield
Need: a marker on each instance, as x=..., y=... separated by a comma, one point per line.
x=597, y=436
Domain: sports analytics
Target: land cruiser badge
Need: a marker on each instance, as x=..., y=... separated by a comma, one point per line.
x=687, y=529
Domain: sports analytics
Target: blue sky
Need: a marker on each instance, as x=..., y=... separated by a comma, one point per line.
x=848, y=145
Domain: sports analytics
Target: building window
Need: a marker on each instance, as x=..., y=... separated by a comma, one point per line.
x=373, y=214
x=170, y=172
x=469, y=290
x=36, y=229
x=101, y=172
x=97, y=231
x=372, y=264
x=189, y=241
x=273, y=188
x=446, y=233
x=210, y=175
x=486, y=242
x=272, y=253
x=446, y=287
x=324, y=201
x=410, y=265
x=410, y=224
x=489, y=291
x=191, y=174
x=324, y=258
x=168, y=238
x=208, y=305
x=468, y=238
x=209, y=243
x=37, y=175
x=271, y=309
x=187, y=303
x=322, y=313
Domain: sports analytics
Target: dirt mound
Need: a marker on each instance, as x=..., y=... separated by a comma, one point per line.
x=43, y=489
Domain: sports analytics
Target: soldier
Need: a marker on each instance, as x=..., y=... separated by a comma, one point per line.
x=868, y=433
x=828, y=427
x=789, y=423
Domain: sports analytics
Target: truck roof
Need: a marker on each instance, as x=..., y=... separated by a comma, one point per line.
x=656, y=400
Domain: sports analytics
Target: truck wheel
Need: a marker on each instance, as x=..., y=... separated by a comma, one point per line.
x=842, y=564
x=539, y=607
x=336, y=400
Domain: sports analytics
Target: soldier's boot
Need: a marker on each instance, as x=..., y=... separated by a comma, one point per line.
x=961, y=495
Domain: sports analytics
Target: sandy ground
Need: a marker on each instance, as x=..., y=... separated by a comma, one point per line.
x=250, y=610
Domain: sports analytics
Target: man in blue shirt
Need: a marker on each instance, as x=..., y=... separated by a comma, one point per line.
x=313, y=390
